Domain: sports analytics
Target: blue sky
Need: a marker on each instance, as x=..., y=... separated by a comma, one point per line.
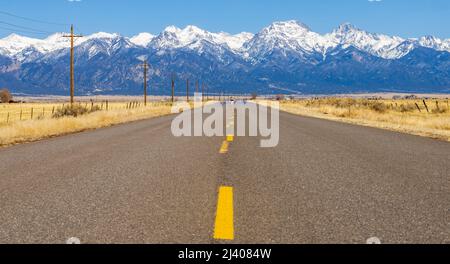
x=406, y=18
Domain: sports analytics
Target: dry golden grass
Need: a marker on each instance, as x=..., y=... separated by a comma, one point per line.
x=10, y=113
x=397, y=115
x=44, y=126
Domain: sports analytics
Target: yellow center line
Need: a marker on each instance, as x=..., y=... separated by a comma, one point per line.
x=230, y=138
x=224, y=148
x=224, y=225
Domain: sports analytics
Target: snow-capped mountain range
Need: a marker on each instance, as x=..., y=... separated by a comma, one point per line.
x=285, y=56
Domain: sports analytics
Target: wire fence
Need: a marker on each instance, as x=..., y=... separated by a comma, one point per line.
x=11, y=113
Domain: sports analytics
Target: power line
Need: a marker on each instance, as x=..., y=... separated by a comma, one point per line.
x=33, y=20
x=26, y=28
x=23, y=31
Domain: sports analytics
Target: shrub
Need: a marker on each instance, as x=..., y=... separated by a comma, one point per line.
x=439, y=111
x=74, y=110
x=407, y=108
x=5, y=96
x=343, y=102
x=279, y=97
x=379, y=107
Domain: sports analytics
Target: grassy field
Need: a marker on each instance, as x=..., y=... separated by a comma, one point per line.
x=430, y=118
x=28, y=122
x=10, y=113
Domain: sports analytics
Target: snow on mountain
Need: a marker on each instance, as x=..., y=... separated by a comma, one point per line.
x=22, y=48
x=13, y=44
x=102, y=42
x=285, y=55
x=403, y=49
x=192, y=37
x=289, y=35
x=376, y=44
x=173, y=37
x=108, y=40
x=142, y=39
x=234, y=42
x=435, y=43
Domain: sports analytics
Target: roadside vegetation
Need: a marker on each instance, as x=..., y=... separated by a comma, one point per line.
x=26, y=122
x=429, y=117
x=5, y=96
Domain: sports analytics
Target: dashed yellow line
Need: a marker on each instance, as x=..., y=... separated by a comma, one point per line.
x=224, y=147
x=230, y=138
x=224, y=225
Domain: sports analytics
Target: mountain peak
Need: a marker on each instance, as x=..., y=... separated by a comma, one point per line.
x=12, y=36
x=346, y=28
x=172, y=29
x=142, y=39
x=429, y=38
x=103, y=35
x=189, y=30
x=193, y=29
x=284, y=30
x=19, y=38
x=289, y=26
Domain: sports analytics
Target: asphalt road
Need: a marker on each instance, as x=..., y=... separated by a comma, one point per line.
x=326, y=182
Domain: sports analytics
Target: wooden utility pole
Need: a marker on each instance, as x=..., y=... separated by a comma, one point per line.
x=145, y=82
x=187, y=90
x=203, y=90
x=72, y=74
x=173, y=88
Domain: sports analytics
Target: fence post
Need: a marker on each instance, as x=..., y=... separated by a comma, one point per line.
x=20, y=114
x=418, y=107
x=53, y=110
x=43, y=112
x=32, y=110
x=426, y=106
x=107, y=105
x=7, y=118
